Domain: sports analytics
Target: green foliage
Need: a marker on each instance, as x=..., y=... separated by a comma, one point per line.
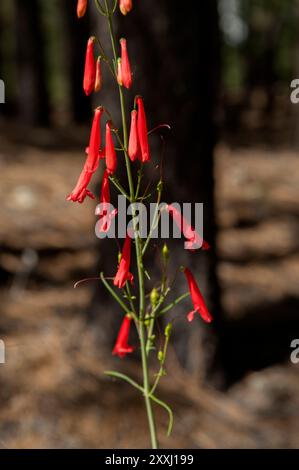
x=256, y=33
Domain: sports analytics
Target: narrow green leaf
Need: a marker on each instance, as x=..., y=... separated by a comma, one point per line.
x=125, y=378
x=174, y=303
x=169, y=411
x=113, y=293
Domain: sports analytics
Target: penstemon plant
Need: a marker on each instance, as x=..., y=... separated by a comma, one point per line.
x=141, y=308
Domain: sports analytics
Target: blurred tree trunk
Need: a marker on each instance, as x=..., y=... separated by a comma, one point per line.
x=295, y=108
x=2, y=108
x=175, y=59
x=75, y=36
x=33, y=102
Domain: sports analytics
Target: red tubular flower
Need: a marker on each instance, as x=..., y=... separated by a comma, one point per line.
x=121, y=348
x=99, y=78
x=142, y=132
x=101, y=152
x=126, y=72
x=80, y=191
x=123, y=274
x=111, y=160
x=197, y=299
x=92, y=161
x=125, y=6
x=90, y=68
x=134, y=147
x=105, y=212
x=195, y=241
x=81, y=8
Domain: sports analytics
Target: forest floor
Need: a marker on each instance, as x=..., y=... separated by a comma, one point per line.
x=53, y=392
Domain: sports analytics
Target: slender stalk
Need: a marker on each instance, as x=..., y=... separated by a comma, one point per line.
x=142, y=332
x=155, y=219
x=161, y=370
x=119, y=187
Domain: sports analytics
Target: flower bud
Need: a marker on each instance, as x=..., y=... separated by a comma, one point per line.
x=160, y=356
x=99, y=78
x=125, y=6
x=142, y=131
x=134, y=148
x=119, y=73
x=126, y=73
x=165, y=252
x=81, y=8
x=111, y=160
x=154, y=297
x=168, y=330
x=147, y=321
x=90, y=68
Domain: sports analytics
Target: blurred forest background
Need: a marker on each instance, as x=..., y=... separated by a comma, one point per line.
x=220, y=75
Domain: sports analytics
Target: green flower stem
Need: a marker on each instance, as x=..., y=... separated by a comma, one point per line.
x=161, y=370
x=140, y=175
x=142, y=335
x=150, y=334
x=130, y=298
x=153, y=316
x=105, y=58
x=155, y=219
x=125, y=378
x=119, y=187
x=174, y=303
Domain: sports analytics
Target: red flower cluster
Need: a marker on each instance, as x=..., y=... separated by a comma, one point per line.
x=138, y=148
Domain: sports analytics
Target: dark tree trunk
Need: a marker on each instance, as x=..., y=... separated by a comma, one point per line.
x=2, y=108
x=33, y=103
x=75, y=36
x=295, y=108
x=175, y=59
